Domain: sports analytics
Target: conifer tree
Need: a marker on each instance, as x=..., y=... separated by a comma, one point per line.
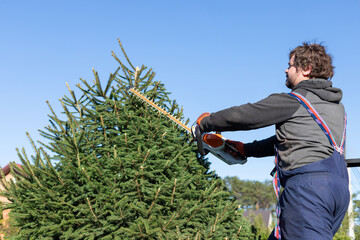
x=114, y=168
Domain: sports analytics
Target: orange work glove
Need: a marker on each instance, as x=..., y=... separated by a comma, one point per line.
x=201, y=117
x=239, y=146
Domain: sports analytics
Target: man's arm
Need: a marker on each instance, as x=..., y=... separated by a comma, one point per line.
x=262, y=148
x=274, y=109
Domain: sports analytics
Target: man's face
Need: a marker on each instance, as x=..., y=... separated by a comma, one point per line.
x=293, y=75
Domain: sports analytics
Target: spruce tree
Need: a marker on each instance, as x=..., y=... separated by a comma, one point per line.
x=115, y=168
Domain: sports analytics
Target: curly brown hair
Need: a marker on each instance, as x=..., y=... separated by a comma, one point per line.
x=313, y=55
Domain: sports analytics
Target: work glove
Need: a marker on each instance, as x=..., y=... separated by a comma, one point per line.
x=197, y=134
x=238, y=146
x=201, y=117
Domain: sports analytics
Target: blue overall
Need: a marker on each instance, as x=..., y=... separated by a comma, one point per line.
x=315, y=198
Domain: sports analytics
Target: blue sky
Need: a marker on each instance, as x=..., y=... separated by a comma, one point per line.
x=209, y=54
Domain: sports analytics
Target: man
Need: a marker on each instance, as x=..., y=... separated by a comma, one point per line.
x=308, y=144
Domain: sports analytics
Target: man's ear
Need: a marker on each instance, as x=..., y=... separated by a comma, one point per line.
x=307, y=72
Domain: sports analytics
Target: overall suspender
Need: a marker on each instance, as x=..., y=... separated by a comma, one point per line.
x=322, y=124
x=276, y=184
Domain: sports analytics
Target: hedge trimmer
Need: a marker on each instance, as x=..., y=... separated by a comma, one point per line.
x=206, y=142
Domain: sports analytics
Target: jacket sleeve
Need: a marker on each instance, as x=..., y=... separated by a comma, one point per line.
x=262, y=148
x=274, y=109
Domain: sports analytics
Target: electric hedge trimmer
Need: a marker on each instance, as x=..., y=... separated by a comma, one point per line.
x=206, y=142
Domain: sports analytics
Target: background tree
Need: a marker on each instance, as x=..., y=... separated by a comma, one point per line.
x=252, y=194
x=260, y=230
x=117, y=169
x=356, y=214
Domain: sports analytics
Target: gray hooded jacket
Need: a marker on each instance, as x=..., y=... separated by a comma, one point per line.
x=299, y=140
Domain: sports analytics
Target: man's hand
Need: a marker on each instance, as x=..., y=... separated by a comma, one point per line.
x=201, y=117
x=235, y=149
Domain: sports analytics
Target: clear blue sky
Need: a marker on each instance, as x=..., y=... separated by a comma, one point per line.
x=209, y=54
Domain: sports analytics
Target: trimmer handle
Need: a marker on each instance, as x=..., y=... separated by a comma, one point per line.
x=196, y=132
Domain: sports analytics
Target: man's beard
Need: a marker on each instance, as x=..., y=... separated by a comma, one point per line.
x=288, y=83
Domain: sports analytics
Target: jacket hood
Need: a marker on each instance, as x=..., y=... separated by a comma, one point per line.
x=322, y=88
